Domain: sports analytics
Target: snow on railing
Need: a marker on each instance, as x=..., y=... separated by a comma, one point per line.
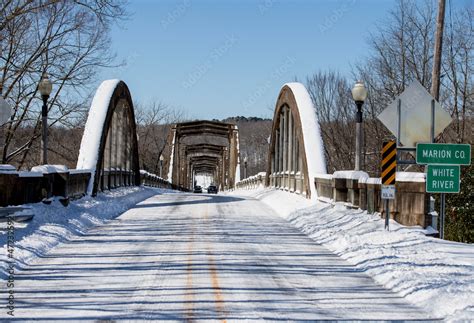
x=150, y=179
x=153, y=180
x=357, y=190
x=252, y=182
x=41, y=183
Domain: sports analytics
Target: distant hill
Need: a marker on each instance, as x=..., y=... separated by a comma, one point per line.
x=239, y=119
x=253, y=136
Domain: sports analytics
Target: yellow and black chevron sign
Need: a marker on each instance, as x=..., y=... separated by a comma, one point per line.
x=389, y=162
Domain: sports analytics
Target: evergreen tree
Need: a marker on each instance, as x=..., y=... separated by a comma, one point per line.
x=460, y=209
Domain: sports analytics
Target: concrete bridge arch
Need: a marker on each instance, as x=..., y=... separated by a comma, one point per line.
x=296, y=152
x=109, y=146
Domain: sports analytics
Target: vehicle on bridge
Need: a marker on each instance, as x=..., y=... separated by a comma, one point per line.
x=197, y=189
x=212, y=189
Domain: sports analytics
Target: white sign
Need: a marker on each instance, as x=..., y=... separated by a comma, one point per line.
x=415, y=116
x=5, y=111
x=388, y=192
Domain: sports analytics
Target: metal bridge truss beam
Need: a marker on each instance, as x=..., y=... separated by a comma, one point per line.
x=190, y=156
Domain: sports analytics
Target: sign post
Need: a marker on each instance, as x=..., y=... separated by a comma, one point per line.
x=406, y=118
x=389, y=169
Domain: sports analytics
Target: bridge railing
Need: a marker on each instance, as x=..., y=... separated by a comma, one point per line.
x=252, y=182
x=149, y=179
x=116, y=177
x=289, y=180
x=356, y=189
x=77, y=183
x=153, y=180
x=21, y=187
x=411, y=205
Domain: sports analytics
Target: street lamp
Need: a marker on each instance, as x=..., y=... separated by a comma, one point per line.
x=5, y=111
x=245, y=167
x=359, y=94
x=161, y=165
x=45, y=88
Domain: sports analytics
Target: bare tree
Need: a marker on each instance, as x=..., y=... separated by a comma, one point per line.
x=253, y=139
x=457, y=83
x=330, y=93
x=153, y=124
x=402, y=51
x=66, y=39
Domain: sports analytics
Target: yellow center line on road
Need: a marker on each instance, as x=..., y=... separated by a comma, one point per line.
x=213, y=269
x=219, y=299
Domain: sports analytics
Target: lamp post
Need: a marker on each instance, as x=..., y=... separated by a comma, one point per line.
x=245, y=167
x=161, y=165
x=5, y=111
x=45, y=87
x=359, y=94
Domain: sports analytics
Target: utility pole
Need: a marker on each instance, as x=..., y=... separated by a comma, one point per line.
x=435, y=77
x=435, y=85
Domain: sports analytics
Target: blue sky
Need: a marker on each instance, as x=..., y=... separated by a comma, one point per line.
x=215, y=59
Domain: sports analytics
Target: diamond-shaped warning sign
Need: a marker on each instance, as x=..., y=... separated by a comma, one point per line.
x=415, y=125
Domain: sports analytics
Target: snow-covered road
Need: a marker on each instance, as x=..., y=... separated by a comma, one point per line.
x=200, y=257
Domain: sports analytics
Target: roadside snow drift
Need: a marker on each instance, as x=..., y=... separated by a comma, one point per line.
x=434, y=274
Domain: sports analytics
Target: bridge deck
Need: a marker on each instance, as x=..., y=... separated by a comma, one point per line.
x=199, y=257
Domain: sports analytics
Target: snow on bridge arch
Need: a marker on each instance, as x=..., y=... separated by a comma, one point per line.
x=296, y=152
x=109, y=144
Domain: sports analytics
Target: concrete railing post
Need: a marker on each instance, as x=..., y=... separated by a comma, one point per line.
x=8, y=182
x=362, y=193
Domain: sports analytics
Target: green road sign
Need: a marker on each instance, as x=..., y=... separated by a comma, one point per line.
x=443, y=154
x=442, y=179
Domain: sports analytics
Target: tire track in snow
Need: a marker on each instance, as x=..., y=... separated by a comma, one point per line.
x=189, y=295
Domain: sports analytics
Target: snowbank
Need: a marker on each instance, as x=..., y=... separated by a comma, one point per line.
x=283, y=202
x=351, y=174
x=50, y=169
x=80, y=171
x=434, y=274
x=7, y=168
x=374, y=180
x=54, y=223
x=89, y=151
x=410, y=177
x=144, y=172
x=30, y=174
x=313, y=142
